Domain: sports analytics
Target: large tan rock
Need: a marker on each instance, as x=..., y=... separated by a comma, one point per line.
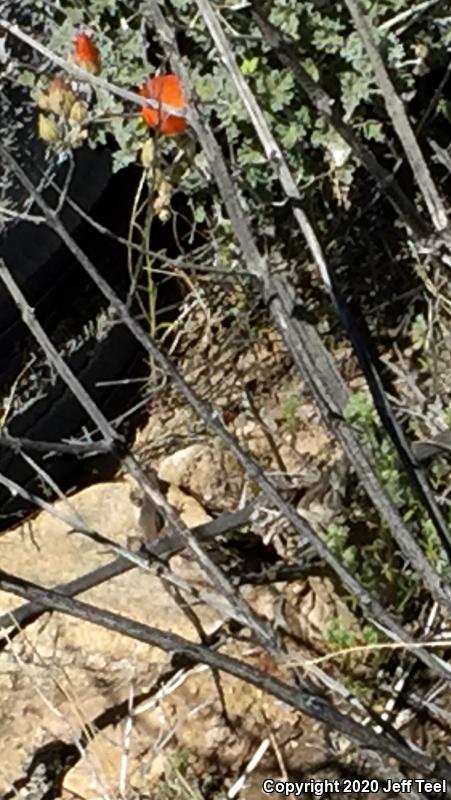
x=62, y=671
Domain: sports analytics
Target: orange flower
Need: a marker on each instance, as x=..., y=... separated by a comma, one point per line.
x=168, y=90
x=86, y=54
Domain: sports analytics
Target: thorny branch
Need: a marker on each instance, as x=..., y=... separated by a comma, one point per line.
x=401, y=124
x=369, y=604
x=165, y=546
x=298, y=335
x=400, y=531
x=325, y=105
x=296, y=697
x=238, y=607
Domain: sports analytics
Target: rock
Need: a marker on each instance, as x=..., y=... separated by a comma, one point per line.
x=63, y=670
x=206, y=471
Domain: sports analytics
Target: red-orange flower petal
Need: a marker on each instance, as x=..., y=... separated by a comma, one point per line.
x=86, y=54
x=167, y=90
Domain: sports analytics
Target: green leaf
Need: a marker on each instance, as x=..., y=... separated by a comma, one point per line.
x=249, y=65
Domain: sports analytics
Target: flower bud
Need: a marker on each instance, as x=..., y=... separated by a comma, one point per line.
x=78, y=113
x=48, y=130
x=148, y=153
x=86, y=55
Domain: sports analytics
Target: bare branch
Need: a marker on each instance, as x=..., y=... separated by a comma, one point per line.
x=87, y=77
x=165, y=546
x=79, y=449
x=402, y=125
x=314, y=362
x=211, y=418
x=296, y=697
x=326, y=107
x=400, y=532
x=239, y=608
